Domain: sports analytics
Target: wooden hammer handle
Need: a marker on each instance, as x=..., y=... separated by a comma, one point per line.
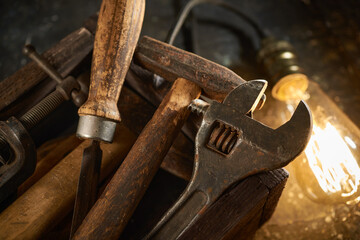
x=117, y=33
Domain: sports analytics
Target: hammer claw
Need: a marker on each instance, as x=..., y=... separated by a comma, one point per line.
x=297, y=131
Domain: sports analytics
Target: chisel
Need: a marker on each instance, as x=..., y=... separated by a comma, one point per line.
x=117, y=33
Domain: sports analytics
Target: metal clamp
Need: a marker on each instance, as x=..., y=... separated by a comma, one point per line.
x=23, y=161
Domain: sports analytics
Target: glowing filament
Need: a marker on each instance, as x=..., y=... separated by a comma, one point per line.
x=332, y=162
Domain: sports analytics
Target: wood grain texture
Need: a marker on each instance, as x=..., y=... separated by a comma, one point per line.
x=240, y=205
x=117, y=33
x=48, y=155
x=48, y=201
x=136, y=112
x=275, y=182
x=240, y=211
x=21, y=105
x=64, y=57
x=170, y=62
x=112, y=211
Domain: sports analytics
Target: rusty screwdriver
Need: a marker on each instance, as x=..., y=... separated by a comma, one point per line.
x=117, y=33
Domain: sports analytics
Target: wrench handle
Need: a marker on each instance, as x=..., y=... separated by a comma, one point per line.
x=180, y=216
x=117, y=33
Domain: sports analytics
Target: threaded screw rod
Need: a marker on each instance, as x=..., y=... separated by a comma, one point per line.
x=47, y=105
x=37, y=113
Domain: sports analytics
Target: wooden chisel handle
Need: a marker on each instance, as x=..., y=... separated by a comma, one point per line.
x=117, y=34
x=110, y=214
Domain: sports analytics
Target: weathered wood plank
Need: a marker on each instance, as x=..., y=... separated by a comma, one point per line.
x=275, y=182
x=64, y=56
x=48, y=155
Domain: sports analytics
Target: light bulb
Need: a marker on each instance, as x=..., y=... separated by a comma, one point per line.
x=328, y=170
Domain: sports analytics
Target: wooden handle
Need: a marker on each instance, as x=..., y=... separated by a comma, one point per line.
x=112, y=211
x=116, y=37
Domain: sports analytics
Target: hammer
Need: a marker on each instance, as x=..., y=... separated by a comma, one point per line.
x=110, y=214
x=117, y=33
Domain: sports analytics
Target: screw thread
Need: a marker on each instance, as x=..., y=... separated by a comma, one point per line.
x=37, y=113
x=198, y=106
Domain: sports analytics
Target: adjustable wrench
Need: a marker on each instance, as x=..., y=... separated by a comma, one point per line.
x=230, y=146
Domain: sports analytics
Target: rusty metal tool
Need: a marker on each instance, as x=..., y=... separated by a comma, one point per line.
x=87, y=189
x=230, y=146
x=15, y=141
x=17, y=168
x=66, y=89
x=117, y=33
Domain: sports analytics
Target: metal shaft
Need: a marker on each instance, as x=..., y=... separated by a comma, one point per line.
x=31, y=52
x=37, y=113
x=88, y=184
x=47, y=105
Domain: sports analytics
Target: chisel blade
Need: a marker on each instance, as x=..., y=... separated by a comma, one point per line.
x=87, y=191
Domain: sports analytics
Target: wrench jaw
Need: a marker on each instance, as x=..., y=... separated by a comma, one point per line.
x=247, y=96
x=296, y=132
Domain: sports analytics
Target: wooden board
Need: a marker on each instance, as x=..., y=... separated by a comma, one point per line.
x=64, y=56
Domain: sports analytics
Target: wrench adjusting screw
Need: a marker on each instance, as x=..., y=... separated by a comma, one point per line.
x=223, y=137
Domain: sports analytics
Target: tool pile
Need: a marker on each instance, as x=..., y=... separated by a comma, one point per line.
x=229, y=145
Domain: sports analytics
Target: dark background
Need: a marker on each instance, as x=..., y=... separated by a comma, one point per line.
x=325, y=34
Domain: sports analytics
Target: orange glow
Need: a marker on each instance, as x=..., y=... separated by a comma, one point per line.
x=332, y=162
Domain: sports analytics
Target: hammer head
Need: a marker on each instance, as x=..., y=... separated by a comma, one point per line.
x=231, y=145
x=171, y=63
